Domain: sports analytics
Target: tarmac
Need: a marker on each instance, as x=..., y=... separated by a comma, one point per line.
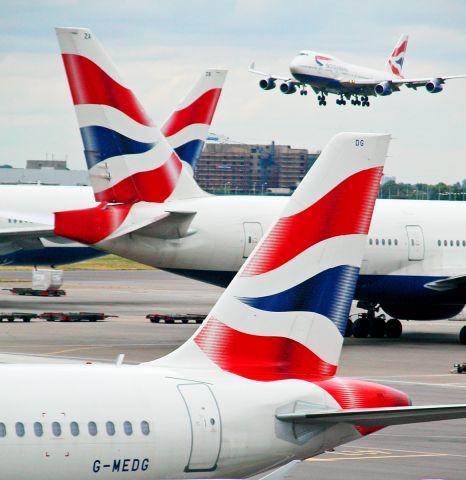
x=418, y=363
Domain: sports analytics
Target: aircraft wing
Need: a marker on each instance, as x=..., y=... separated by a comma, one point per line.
x=378, y=417
x=421, y=82
x=269, y=75
x=450, y=283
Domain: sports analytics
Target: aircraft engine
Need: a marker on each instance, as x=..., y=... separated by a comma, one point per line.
x=287, y=88
x=434, y=86
x=267, y=83
x=421, y=311
x=383, y=89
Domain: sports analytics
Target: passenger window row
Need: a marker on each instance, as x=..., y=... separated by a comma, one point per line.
x=383, y=241
x=452, y=243
x=92, y=429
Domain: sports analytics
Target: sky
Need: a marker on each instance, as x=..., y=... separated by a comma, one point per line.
x=161, y=46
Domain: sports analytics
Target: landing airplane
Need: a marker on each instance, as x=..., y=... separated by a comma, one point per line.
x=32, y=243
x=273, y=338
x=327, y=74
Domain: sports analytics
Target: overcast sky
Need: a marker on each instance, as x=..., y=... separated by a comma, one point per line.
x=161, y=47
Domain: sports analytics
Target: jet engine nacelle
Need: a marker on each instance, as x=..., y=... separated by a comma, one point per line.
x=421, y=311
x=267, y=83
x=434, y=86
x=383, y=89
x=287, y=88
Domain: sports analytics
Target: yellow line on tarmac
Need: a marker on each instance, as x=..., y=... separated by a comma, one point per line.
x=376, y=457
x=69, y=350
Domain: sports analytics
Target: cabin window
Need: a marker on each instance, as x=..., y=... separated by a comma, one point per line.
x=110, y=426
x=19, y=427
x=457, y=243
x=370, y=241
x=145, y=428
x=376, y=241
x=389, y=241
x=2, y=430
x=464, y=243
x=451, y=243
x=92, y=427
x=439, y=243
x=445, y=243
x=56, y=429
x=128, y=428
x=74, y=429
x=38, y=429
x=383, y=241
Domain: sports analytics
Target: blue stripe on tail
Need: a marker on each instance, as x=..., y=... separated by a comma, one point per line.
x=190, y=152
x=101, y=143
x=329, y=293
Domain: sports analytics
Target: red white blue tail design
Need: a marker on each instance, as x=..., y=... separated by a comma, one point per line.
x=396, y=60
x=128, y=158
x=285, y=313
x=188, y=126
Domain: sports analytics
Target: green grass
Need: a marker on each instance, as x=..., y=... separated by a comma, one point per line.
x=108, y=262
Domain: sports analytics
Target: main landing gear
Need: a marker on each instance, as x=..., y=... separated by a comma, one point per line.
x=322, y=100
x=364, y=101
x=376, y=326
x=341, y=100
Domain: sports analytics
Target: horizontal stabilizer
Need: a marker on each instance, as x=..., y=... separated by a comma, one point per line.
x=26, y=232
x=173, y=225
x=451, y=283
x=378, y=417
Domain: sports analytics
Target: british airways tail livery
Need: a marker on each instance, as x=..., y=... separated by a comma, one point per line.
x=326, y=74
x=255, y=386
x=128, y=157
x=279, y=318
x=397, y=58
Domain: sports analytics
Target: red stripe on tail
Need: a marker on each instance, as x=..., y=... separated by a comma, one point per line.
x=150, y=186
x=261, y=358
x=292, y=235
x=200, y=111
x=89, y=84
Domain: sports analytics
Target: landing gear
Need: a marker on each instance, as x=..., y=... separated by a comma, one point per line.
x=349, y=328
x=463, y=336
x=321, y=99
x=303, y=91
x=364, y=101
x=375, y=325
x=341, y=100
x=393, y=328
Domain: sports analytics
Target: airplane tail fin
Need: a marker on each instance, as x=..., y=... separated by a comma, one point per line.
x=396, y=59
x=128, y=158
x=188, y=126
x=285, y=313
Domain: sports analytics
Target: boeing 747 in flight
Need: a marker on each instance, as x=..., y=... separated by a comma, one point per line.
x=327, y=74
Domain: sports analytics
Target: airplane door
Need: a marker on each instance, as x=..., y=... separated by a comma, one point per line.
x=252, y=235
x=415, y=242
x=206, y=428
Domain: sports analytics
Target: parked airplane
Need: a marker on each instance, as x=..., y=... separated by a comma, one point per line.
x=275, y=335
x=327, y=74
x=408, y=269
x=186, y=130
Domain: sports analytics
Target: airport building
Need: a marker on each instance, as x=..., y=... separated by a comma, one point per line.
x=44, y=172
x=232, y=168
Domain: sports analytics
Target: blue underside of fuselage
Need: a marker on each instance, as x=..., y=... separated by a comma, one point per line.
x=49, y=256
x=394, y=289
x=322, y=83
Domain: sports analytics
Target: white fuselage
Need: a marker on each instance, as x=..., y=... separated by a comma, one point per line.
x=327, y=72
x=225, y=229
x=151, y=423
